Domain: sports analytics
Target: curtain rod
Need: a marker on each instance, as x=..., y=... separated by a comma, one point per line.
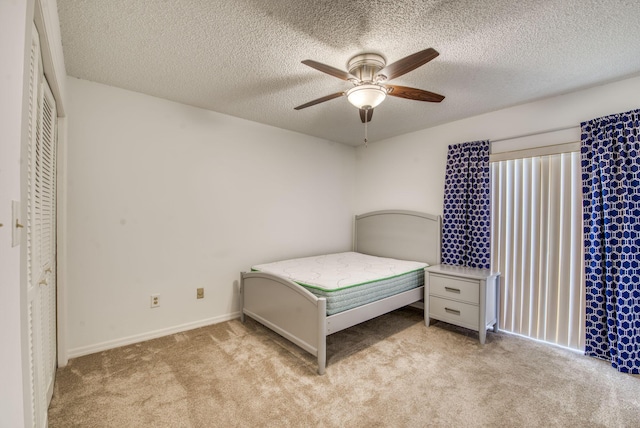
x=530, y=134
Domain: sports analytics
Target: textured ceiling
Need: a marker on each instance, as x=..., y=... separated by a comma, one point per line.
x=242, y=57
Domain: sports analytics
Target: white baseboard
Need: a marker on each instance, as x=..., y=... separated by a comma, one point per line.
x=116, y=343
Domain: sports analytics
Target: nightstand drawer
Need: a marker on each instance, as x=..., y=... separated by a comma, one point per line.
x=461, y=314
x=454, y=288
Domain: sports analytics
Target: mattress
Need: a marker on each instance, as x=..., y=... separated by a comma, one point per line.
x=348, y=280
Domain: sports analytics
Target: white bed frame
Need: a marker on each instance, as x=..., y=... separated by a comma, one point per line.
x=296, y=314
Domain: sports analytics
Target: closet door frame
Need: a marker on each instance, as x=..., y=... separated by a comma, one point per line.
x=43, y=15
x=40, y=240
x=48, y=25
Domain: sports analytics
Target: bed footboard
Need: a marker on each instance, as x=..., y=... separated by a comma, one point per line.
x=288, y=309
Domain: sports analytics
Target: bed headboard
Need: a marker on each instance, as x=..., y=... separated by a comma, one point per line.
x=406, y=235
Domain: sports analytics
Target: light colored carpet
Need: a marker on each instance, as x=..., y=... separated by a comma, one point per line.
x=389, y=372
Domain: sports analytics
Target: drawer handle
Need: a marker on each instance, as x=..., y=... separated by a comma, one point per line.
x=452, y=311
x=452, y=290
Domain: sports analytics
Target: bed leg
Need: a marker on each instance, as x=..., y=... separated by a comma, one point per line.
x=322, y=335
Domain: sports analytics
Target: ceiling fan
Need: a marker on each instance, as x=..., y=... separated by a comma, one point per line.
x=369, y=73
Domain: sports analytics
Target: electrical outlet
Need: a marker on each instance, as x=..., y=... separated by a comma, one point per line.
x=200, y=293
x=155, y=300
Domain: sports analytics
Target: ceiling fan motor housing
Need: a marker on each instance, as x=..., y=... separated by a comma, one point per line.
x=366, y=66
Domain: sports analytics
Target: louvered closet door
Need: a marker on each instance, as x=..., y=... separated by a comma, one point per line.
x=41, y=214
x=47, y=282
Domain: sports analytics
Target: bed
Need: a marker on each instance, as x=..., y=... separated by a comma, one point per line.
x=299, y=315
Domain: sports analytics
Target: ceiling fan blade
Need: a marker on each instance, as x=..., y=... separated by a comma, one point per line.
x=413, y=94
x=335, y=72
x=366, y=115
x=408, y=63
x=319, y=100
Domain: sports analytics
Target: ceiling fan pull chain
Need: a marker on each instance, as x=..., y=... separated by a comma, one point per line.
x=365, y=133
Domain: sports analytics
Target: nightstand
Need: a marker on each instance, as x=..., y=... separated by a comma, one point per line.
x=467, y=297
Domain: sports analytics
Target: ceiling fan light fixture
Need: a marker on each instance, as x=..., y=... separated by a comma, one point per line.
x=366, y=97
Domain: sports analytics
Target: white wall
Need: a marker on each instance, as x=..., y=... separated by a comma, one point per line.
x=408, y=171
x=15, y=35
x=164, y=198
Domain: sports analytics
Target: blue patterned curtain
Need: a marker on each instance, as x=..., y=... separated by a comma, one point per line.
x=611, y=202
x=467, y=190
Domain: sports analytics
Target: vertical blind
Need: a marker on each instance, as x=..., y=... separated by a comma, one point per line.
x=537, y=247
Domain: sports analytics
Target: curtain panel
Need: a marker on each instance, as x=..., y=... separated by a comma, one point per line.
x=466, y=226
x=610, y=152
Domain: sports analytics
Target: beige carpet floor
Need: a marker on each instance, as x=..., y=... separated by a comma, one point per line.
x=389, y=372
